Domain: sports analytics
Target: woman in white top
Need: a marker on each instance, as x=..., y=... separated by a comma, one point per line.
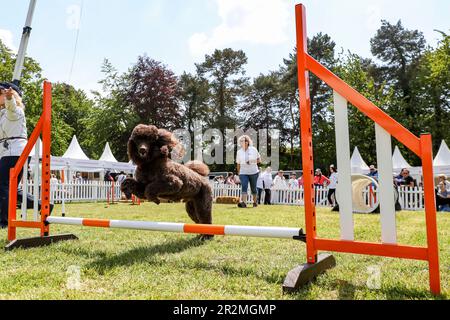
x=247, y=160
x=332, y=186
x=13, y=139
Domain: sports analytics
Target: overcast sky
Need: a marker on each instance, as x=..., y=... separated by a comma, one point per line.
x=179, y=33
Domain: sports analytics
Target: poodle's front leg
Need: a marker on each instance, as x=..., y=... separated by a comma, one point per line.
x=131, y=186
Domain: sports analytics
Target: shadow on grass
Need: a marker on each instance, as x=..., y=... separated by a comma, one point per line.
x=105, y=261
x=347, y=291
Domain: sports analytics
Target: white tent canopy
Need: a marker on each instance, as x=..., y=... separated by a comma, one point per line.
x=74, y=151
x=441, y=162
x=33, y=151
x=358, y=164
x=108, y=155
x=443, y=156
x=74, y=159
x=398, y=162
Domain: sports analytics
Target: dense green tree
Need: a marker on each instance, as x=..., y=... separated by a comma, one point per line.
x=355, y=71
x=71, y=109
x=322, y=48
x=400, y=50
x=113, y=119
x=261, y=105
x=224, y=70
x=194, y=99
x=433, y=91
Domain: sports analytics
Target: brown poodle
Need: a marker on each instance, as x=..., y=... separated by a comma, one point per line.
x=159, y=177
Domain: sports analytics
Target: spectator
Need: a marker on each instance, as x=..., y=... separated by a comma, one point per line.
x=260, y=184
x=53, y=179
x=13, y=139
x=121, y=177
x=293, y=182
x=300, y=181
x=407, y=180
x=443, y=179
x=247, y=160
x=332, y=186
x=267, y=183
x=230, y=178
x=79, y=178
x=373, y=172
x=442, y=198
x=319, y=179
x=108, y=177
x=279, y=182
x=398, y=179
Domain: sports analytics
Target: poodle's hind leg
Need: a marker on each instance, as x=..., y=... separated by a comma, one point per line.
x=190, y=209
x=203, y=209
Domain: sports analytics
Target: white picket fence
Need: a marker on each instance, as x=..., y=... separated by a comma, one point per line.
x=409, y=198
x=99, y=191
x=77, y=191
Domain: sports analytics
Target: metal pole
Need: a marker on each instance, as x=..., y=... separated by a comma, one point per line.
x=24, y=44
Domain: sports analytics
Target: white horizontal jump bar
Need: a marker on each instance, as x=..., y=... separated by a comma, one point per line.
x=248, y=231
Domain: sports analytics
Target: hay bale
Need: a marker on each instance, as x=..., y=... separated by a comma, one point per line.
x=227, y=200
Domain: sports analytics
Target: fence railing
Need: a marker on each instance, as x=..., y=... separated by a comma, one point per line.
x=79, y=191
x=100, y=191
x=409, y=198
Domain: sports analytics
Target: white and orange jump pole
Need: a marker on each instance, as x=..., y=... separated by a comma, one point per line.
x=316, y=264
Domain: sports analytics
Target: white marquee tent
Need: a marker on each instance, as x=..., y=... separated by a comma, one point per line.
x=441, y=162
x=74, y=159
x=108, y=155
x=358, y=164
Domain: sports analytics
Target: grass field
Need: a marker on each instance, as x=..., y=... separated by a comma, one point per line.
x=125, y=264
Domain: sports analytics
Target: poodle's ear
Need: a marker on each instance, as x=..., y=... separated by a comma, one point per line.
x=166, y=138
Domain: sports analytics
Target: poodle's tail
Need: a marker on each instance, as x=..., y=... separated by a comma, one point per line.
x=199, y=167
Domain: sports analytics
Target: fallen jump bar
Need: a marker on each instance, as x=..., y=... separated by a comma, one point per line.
x=248, y=231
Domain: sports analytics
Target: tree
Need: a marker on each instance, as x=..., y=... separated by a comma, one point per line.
x=71, y=109
x=433, y=90
x=224, y=70
x=322, y=48
x=194, y=98
x=113, y=119
x=154, y=93
x=355, y=71
x=400, y=50
x=261, y=105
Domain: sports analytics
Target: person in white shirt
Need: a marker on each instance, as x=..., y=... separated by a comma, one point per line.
x=279, y=184
x=332, y=186
x=293, y=182
x=260, y=184
x=121, y=177
x=247, y=160
x=13, y=139
x=53, y=179
x=267, y=183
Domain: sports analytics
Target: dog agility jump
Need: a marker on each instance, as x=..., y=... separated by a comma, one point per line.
x=316, y=263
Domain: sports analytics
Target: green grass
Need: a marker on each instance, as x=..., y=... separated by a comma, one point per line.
x=126, y=264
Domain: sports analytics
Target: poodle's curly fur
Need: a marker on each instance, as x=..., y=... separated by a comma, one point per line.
x=159, y=177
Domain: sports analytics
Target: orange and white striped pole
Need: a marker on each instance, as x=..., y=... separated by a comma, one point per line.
x=248, y=231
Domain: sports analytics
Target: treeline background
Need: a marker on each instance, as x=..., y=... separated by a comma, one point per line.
x=405, y=77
